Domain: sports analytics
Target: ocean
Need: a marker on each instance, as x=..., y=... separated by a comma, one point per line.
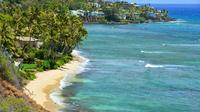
x=151, y=67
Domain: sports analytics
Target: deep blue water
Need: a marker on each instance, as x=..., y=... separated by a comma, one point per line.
x=190, y=13
x=141, y=67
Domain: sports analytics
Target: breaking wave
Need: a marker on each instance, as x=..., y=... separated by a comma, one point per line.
x=153, y=66
x=155, y=52
x=56, y=96
x=164, y=66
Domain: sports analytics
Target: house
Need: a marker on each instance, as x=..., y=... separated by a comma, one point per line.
x=97, y=5
x=151, y=14
x=77, y=12
x=121, y=16
x=33, y=42
x=96, y=14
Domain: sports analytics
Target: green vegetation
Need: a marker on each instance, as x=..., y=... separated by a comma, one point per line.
x=5, y=71
x=116, y=11
x=12, y=104
x=8, y=70
x=35, y=35
x=39, y=33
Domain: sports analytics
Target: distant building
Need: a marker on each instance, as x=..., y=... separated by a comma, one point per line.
x=122, y=16
x=97, y=5
x=33, y=42
x=151, y=14
x=95, y=14
x=77, y=12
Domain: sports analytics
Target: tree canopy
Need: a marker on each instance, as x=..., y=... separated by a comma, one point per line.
x=48, y=21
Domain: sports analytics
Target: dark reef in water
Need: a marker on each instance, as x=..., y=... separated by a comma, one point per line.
x=73, y=106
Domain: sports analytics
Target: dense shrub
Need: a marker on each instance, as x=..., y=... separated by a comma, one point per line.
x=28, y=66
x=60, y=63
x=43, y=64
x=41, y=54
x=53, y=64
x=30, y=58
x=7, y=69
x=29, y=54
x=27, y=75
x=27, y=71
x=12, y=104
x=5, y=72
x=61, y=60
x=66, y=58
x=30, y=76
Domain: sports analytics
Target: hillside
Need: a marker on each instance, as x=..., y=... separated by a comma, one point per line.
x=7, y=90
x=115, y=11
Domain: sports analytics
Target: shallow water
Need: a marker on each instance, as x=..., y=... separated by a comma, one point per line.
x=141, y=67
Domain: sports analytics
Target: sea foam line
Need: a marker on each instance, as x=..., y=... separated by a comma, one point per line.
x=178, y=21
x=56, y=96
x=182, y=45
x=164, y=66
x=155, y=52
x=153, y=66
x=81, y=68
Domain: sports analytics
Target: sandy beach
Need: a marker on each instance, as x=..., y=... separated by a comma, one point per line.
x=47, y=81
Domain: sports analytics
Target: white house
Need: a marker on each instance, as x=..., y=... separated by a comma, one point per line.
x=77, y=12
x=22, y=41
x=96, y=14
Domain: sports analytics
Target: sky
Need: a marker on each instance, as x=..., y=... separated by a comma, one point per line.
x=166, y=1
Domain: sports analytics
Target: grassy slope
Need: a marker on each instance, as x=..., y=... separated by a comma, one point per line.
x=7, y=90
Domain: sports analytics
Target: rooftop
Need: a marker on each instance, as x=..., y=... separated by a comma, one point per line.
x=26, y=39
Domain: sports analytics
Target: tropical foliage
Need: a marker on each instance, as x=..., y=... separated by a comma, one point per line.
x=12, y=104
x=50, y=22
x=8, y=70
x=118, y=11
x=47, y=21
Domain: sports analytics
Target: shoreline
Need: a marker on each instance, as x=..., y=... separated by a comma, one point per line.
x=125, y=23
x=46, y=82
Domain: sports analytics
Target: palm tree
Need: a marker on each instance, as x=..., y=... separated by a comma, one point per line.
x=7, y=34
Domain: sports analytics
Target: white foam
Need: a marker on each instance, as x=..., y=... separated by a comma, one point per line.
x=178, y=21
x=163, y=44
x=142, y=51
x=175, y=66
x=64, y=83
x=153, y=66
x=141, y=61
x=165, y=66
x=155, y=52
x=83, y=62
x=183, y=45
x=56, y=96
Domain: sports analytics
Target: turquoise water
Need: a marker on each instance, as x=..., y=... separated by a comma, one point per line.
x=141, y=67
